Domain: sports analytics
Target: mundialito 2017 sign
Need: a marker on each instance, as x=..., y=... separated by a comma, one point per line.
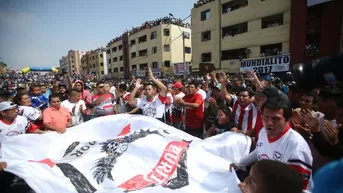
x=278, y=63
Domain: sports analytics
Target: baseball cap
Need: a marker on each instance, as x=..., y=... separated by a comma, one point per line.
x=177, y=85
x=272, y=92
x=6, y=105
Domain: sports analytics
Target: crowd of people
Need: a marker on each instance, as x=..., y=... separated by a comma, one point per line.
x=201, y=3
x=294, y=133
x=153, y=23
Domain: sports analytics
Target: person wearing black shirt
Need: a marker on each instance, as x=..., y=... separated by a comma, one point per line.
x=222, y=122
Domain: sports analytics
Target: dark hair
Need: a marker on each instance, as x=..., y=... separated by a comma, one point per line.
x=73, y=91
x=17, y=98
x=149, y=83
x=34, y=86
x=278, y=177
x=225, y=109
x=243, y=89
x=54, y=95
x=276, y=104
x=99, y=82
x=194, y=82
x=123, y=86
x=313, y=95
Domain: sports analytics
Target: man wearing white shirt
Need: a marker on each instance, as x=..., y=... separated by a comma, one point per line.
x=75, y=106
x=278, y=141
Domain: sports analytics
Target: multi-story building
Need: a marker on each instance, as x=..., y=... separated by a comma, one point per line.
x=95, y=62
x=64, y=63
x=114, y=51
x=74, y=61
x=229, y=33
x=316, y=29
x=164, y=47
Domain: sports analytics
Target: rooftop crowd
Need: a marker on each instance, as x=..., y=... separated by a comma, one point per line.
x=201, y=3
x=298, y=130
x=153, y=23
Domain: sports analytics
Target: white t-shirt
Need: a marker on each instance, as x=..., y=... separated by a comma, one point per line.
x=17, y=127
x=113, y=91
x=202, y=93
x=77, y=115
x=30, y=113
x=289, y=148
x=154, y=108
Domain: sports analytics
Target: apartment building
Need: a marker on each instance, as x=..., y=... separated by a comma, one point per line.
x=239, y=35
x=316, y=29
x=95, y=62
x=74, y=61
x=64, y=63
x=164, y=47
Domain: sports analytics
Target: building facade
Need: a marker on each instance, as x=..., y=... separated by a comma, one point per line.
x=225, y=32
x=95, y=62
x=74, y=61
x=316, y=29
x=64, y=63
x=164, y=47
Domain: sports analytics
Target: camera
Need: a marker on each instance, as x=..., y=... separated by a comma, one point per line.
x=319, y=73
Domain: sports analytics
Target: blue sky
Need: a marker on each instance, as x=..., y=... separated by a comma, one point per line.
x=40, y=32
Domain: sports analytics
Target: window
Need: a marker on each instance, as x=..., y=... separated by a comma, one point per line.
x=166, y=32
x=206, y=57
x=109, y=70
x=134, y=66
x=153, y=35
x=234, y=5
x=120, y=47
x=120, y=58
x=155, y=65
x=166, y=48
x=235, y=29
x=142, y=39
x=115, y=69
x=234, y=54
x=121, y=69
x=115, y=59
x=93, y=58
x=102, y=72
x=108, y=51
x=101, y=56
x=186, y=35
x=154, y=50
x=101, y=64
x=133, y=42
x=109, y=60
x=114, y=49
x=166, y=63
x=272, y=21
x=271, y=49
x=205, y=15
x=206, y=36
x=93, y=65
x=143, y=66
x=133, y=55
x=143, y=53
x=188, y=50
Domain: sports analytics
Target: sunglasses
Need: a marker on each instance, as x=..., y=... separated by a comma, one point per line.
x=101, y=87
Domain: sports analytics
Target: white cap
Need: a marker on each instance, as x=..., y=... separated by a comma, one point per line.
x=6, y=105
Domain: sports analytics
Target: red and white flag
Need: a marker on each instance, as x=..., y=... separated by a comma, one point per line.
x=122, y=153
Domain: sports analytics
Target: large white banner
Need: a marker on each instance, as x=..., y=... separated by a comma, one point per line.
x=278, y=63
x=121, y=153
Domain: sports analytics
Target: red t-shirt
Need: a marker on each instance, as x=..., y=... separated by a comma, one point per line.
x=194, y=116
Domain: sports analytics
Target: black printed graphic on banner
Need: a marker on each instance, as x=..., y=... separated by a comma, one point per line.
x=114, y=148
x=79, y=181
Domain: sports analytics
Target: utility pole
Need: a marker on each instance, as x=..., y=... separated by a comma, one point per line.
x=184, y=55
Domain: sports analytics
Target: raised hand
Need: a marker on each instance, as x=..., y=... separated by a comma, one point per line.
x=331, y=132
x=312, y=122
x=151, y=75
x=297, y=119
x=138, y=83
x=222, y=78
